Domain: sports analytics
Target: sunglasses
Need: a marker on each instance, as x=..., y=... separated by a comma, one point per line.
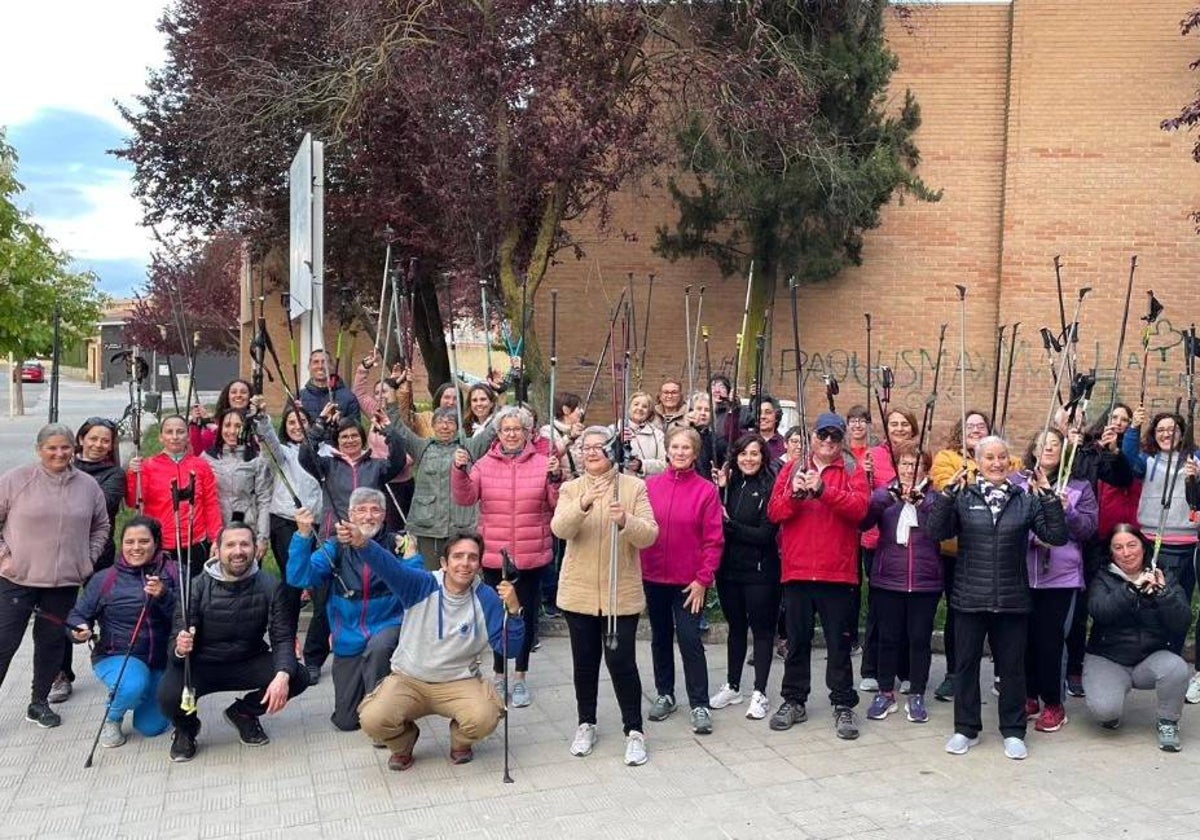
x=101, y=421
x=834, y=435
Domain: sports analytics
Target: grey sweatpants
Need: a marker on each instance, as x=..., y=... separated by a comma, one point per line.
x=1106, y=683
x=355, y=676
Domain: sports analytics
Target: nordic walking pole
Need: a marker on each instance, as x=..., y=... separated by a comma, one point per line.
x=1012, y=352
x=458, y=408
x=962, y=366
x=508, y=572
x=996, y=371
x=646, y=330
x=867, y=404
x=688, y=369
x=696, y=331
x=741, y=343
x=383, y=288
x=931, y=400
x=712, y=421
x=112, y=694
x=587, y=400
x=614, y=557
x=553, y=367
x=1062, y=310
x=1150, y=318
x=1063, y=364
x=794, y=288
x=1112, y=401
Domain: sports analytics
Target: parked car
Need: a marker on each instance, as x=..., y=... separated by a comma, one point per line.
x=33, y=372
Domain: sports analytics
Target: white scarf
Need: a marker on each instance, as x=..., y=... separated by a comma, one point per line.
x=906, y=522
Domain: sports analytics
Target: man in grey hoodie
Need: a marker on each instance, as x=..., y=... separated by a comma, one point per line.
x=450, y=621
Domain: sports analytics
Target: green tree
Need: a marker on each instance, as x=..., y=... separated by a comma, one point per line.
x=797, y=205
x=35, y=278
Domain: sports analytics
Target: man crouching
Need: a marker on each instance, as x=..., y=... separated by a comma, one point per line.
x=450, y=620
x=231, y=606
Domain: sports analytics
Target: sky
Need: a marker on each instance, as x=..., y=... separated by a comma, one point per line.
x=64, y=63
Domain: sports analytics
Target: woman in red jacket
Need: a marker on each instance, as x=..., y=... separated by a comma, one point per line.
x=676, y=572
x=516, y=488
x=176, y=464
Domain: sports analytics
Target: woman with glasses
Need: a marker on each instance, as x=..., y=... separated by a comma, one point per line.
x=588, y=509
x=53, y=526
x=748, y=577
x=96, y=455
x=244, y=480
x=362, y=611
x=516, y=488
x=1162, y=454
x=646, y=453
x=202, y=432
x=677, y=571
x=164, y=485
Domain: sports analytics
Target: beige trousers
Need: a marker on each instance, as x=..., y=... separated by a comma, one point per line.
x=389, y=714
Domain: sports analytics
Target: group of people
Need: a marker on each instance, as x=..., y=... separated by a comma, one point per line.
x=424, y=541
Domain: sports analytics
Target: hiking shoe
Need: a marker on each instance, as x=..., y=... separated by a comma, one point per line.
x=111, y=734
x=1015, y=749
x=1168, y=736
x=959, y=744
x=1075, y=687
x=42, y=715
x=662, y=708
x=585, y=740
x=501, y=686
x=845, y=724
x=521, y=697
x=551, y=611
x=250, y=732
x=635, y=748
x=463, y=756
x=1051, y=719
x=915, y=709
x=60, y=690
x=906, y=687
x=869, y=684
x=759, y=706
x=945, y=690
x=725, y=696
x=314, y=674
x=1115, y=723
x=701, y=720
x=882, y=706
x=399, y=762
x=787, y=714
x=1032, y=708
x=183, y=745
x=1193, y=689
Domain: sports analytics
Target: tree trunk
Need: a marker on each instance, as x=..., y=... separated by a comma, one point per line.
x=429, y=329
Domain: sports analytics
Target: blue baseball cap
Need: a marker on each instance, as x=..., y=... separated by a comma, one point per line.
x=829, y=420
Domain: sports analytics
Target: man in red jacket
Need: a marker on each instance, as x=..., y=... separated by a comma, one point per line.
x=818, y=505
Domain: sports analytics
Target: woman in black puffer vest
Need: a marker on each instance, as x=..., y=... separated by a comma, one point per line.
x=992, y=518
x=748, y=578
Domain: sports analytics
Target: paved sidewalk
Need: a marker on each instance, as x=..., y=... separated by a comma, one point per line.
x=743, y=781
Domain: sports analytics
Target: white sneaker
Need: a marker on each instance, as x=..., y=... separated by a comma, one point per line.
x=725, y=696
x=959, y=744
x=905, y=687
x=759, y=706
x=869, y=684
x=111, y=734
x=1193, y=689
x=635, y=748
x=585, y=740
x=1015, y=748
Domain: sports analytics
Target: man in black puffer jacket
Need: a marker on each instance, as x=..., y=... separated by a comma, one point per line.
x=992, y=519
x=232, y=605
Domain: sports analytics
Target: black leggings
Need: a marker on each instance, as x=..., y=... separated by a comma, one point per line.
x=529, y=592
x=1048, y=625
x=587, y=644
x=753, y=607
x=17, y=604
x=905, y=621
x=316, y=642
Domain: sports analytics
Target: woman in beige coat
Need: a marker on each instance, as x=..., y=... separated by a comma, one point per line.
x=585, y=518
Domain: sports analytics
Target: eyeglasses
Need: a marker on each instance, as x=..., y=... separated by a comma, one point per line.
x=834, y=435
x=977, y=427
x=857, y=420
x=593, y=448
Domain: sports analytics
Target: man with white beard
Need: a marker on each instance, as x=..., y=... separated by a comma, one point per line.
x=363, y=613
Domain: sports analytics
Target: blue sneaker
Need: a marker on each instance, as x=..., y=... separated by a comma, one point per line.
x=915, y=710
x=882, y=706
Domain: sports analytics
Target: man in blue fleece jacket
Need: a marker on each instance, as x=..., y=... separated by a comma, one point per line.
x=450, y=620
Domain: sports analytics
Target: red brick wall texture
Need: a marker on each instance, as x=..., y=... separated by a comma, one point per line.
x=1040, y=123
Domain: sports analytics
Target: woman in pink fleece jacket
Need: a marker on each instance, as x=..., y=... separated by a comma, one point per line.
x=516, y=487
x=676, y=572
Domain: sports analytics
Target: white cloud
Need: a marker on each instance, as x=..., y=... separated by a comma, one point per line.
x=78, y=55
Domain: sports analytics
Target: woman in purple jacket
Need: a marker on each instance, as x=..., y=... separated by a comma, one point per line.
x=906, y=581
x=1055, y=582
x=677, y=571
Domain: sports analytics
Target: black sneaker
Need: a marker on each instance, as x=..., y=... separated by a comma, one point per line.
x=183, y=746
x=314, y=674
x=249, y=730
x=945, y=690
x=42, y=715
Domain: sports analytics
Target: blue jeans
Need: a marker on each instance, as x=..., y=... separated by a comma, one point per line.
x=138, y=692
x=668, y=620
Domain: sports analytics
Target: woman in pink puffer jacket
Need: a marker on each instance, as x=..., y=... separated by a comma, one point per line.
x=516, y=488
